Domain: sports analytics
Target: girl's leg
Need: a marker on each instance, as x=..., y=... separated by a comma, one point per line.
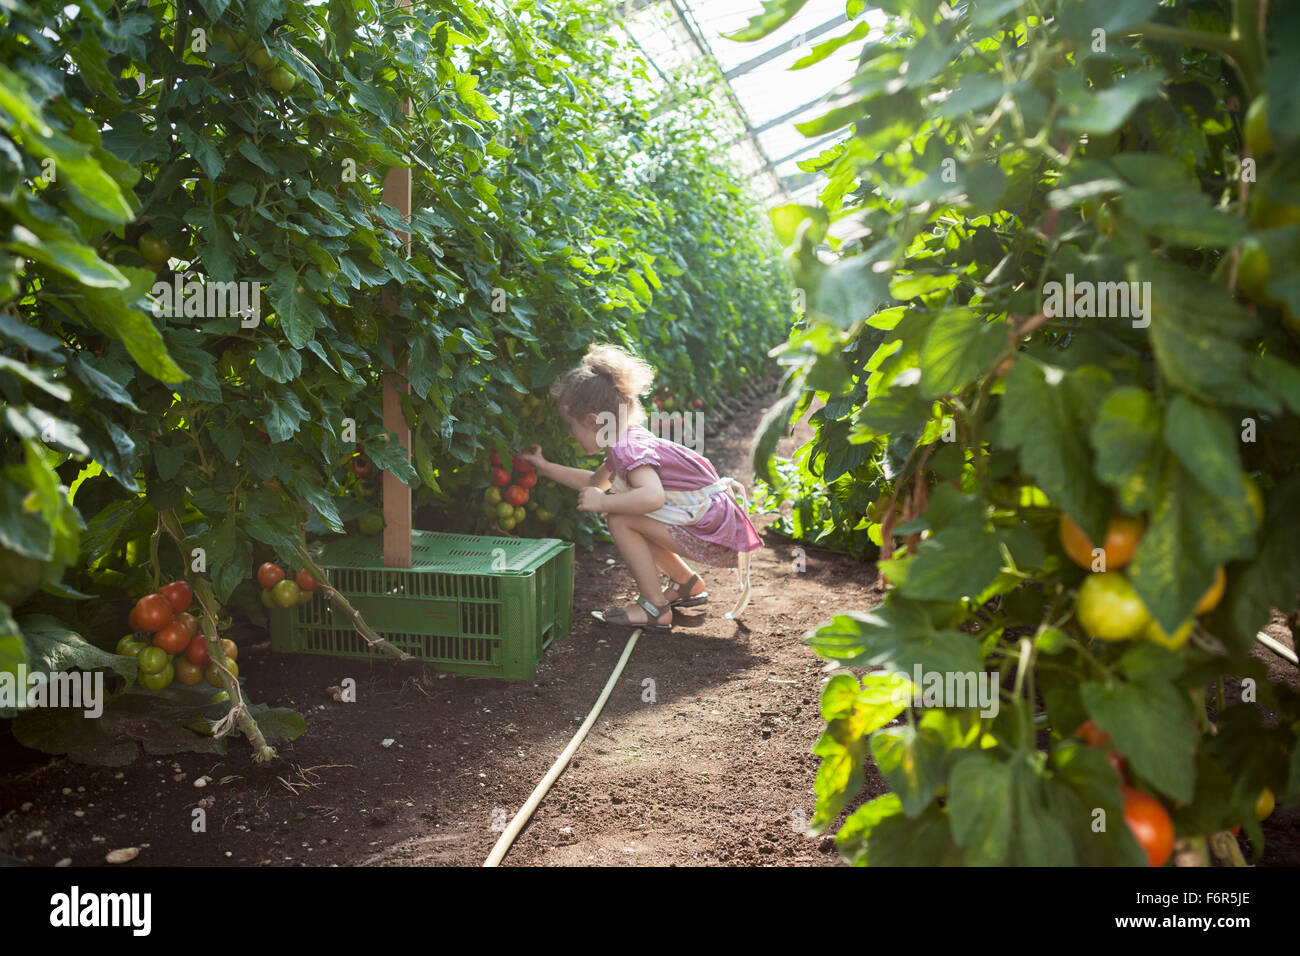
x=640, y=539
x=677, y=570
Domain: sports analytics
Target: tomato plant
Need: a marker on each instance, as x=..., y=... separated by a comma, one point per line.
x=984, y=403
x=257, y=166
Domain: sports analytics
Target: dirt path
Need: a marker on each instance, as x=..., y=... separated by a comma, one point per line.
x=712, y=768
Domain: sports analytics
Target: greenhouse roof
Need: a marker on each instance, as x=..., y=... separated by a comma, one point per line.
x=754, y=80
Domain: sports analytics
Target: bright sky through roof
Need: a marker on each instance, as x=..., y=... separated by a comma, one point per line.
x=770, y=89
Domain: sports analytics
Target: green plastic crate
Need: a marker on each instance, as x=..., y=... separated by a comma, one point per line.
x=488, y=606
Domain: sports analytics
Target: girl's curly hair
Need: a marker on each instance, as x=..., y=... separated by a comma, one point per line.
x=608, y=378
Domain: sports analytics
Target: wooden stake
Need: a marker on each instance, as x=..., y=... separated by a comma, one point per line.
x=397, y=496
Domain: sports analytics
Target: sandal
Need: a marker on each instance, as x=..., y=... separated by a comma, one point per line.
x=618, y=616
x=684, y=587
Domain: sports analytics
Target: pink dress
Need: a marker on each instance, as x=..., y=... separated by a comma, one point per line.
x=724, y=531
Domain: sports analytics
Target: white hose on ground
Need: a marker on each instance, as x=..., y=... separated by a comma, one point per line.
x=1280, y=649
x=525, y=813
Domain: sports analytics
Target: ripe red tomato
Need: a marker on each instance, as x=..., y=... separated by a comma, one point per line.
x=495, y=458
x=526, y=479
x=1092, y=735
x=197, y=652
x=269, y=575
x=189, y=622
x=500, y=476
x=516, y=496
x=521, y=464
x=362, y=466
x=1150, y=825
x=133, y=619
x=153, y=613
x=172, y=638
x=179, y=595
x=306, y=580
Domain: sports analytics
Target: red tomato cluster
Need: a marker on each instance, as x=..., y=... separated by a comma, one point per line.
x=176, y=650
x=281, y=591
x=524, y=477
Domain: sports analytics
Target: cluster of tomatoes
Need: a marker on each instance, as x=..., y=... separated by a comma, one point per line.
x=666, y=401
x=1108, y=606
x=278, y=590
x=280, y=79
x=509, y=493
x=1146, y=817
x=175, y=649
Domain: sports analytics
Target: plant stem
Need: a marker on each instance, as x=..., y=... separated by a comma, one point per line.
x=338, y=600
x=239, y=713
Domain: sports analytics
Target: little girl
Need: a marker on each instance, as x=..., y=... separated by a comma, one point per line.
x=666, y=501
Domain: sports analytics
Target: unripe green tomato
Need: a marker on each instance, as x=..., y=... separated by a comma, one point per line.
x=285, y=594
x=1258, y=138
x=154, y=250
x=260, y=58
x=130, y=647
x=520, y=514
x=266, y=598
x=1253, y=273
x=159, y=680
x=492, y=496
x=152, y=660
x=281, y=80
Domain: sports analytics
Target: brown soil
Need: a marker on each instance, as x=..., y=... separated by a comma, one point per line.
x=713, y=767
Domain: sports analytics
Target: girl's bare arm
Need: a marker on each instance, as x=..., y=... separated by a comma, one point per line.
x=575, y=478
x=646, y=495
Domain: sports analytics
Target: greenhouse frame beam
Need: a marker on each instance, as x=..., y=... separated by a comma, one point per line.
x=692, y=30
x=792, y=44
x=785, y=117
x=808, y=147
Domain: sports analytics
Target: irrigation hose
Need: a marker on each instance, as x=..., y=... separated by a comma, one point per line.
x=525, y=813
x=1280, y=649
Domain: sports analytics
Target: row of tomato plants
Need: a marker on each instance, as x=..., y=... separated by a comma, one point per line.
x=149, y=152
x=1093, y=501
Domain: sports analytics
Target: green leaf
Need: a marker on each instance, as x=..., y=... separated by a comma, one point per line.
x=960, y=558
x=1150, y=723
x=862, y=823
x=100, y=384
x=1037, y=417
x=912, y=762
x=980, y=808
x=299, y=313
x=896, y=636
x=55, y=647
x=207, y=155
x=849, y=291
x=73, y=259
x=1189, y=532
x=897, y=841
x=958, y=348
x=1126, y=437
x=1106, y=111
x=1204, y=441
x=775, y=14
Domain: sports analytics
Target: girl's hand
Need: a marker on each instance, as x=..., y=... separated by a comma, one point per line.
x=590, y=499
x=534, y=457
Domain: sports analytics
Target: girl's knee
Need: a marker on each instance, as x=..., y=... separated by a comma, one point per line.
x=616, y=522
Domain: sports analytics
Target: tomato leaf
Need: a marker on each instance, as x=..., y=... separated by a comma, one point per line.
x=1150, y=723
